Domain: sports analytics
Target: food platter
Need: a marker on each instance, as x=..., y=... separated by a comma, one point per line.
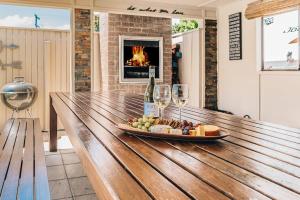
x=138, y=132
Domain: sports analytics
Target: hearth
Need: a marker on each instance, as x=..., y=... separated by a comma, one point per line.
x=137, y=54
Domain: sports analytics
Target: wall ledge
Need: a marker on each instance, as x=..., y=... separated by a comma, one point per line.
x=279, y=73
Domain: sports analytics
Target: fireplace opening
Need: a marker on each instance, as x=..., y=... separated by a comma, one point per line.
x=138, y=56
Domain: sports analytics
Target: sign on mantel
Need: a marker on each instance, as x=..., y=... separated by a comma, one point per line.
x=235, y=36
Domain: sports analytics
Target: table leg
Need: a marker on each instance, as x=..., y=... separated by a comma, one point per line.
x=53, y=128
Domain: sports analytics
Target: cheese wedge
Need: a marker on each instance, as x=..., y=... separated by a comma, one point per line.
x=193, y=132
x=160, y=129
x=176, y=131
x=200, y=131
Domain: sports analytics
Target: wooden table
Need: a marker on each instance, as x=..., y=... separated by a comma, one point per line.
x=258, y=160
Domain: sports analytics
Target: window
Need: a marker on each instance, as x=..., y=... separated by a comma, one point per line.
x=281, y=41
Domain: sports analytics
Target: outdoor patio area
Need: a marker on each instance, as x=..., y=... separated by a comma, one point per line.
x=149, y=99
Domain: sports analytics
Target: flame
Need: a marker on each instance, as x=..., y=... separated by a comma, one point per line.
x=139, y=58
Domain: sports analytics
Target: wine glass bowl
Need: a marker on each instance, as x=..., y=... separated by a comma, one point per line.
x=180, y=96
x=162, y=97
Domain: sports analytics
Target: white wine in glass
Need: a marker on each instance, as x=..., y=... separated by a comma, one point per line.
x=162, y=97
x=180, y=96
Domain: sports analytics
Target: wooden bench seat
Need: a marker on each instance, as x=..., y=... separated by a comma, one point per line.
x=23, y=173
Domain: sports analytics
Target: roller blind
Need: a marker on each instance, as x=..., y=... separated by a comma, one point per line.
x=269, y=7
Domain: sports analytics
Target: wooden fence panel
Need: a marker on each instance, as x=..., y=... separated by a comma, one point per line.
x=35, y=58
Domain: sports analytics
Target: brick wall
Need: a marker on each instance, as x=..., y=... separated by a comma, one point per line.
x=211, y=69
x=131, y=25
x=82, y=50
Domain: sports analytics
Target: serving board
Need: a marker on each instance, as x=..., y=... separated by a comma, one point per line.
x=138, y=132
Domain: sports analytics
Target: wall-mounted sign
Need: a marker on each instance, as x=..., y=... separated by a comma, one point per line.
x=235, y=36
x=153, y=10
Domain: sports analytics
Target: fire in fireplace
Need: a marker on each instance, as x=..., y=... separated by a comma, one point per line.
x=137, y=54
x=139, y=58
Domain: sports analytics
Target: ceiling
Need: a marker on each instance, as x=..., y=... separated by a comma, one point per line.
x=196, y=3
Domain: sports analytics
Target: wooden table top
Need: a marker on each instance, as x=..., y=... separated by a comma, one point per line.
x=258, y=160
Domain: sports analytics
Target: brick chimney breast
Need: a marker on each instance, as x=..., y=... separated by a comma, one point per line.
x=114, y=25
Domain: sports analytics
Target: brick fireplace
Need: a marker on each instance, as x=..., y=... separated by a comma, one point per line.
x=114, y=25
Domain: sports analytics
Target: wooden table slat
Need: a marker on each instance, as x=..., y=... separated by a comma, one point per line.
x=7, y=151
x=41, y=181
x=27, y=175
x=5, y=133
x=10, y=187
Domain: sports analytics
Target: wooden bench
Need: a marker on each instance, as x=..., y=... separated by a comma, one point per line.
x=23, y=173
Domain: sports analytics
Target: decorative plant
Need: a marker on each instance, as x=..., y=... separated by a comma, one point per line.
x=184, y=25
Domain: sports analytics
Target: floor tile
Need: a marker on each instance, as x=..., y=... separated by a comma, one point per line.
x=64, y=143
x=63, y=151
x=70, y=158
x=53, y=160
x=74, y=170
x=48, y=153
x=80, y=186
x=56, y=172
x=59, y=189
x=86, y=197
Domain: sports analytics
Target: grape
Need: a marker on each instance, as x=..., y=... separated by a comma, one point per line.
x=185, y=123
x=185, y=132
x=147, y=124
x=144, y=128
x=135, y=124
x=145, y=119
x=151, y=120
x=151, y=116
x=140, y=120
x=140, y=126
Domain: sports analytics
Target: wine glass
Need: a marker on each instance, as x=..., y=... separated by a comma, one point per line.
x=162, y=97
x=180, y=96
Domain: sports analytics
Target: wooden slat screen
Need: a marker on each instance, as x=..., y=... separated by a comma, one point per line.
x=268, y=7
x=33, y=54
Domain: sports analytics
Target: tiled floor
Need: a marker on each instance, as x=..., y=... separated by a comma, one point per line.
x=67, y=179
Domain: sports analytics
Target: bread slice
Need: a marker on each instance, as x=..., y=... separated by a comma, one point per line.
x=211, y=130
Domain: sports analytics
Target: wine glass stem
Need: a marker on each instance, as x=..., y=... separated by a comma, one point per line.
x=161, y=113
x=180, y=114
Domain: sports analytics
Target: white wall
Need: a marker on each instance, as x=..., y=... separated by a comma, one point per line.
x=238, y=86
x=280, y=98
x=243, y=89
x=190, y=71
